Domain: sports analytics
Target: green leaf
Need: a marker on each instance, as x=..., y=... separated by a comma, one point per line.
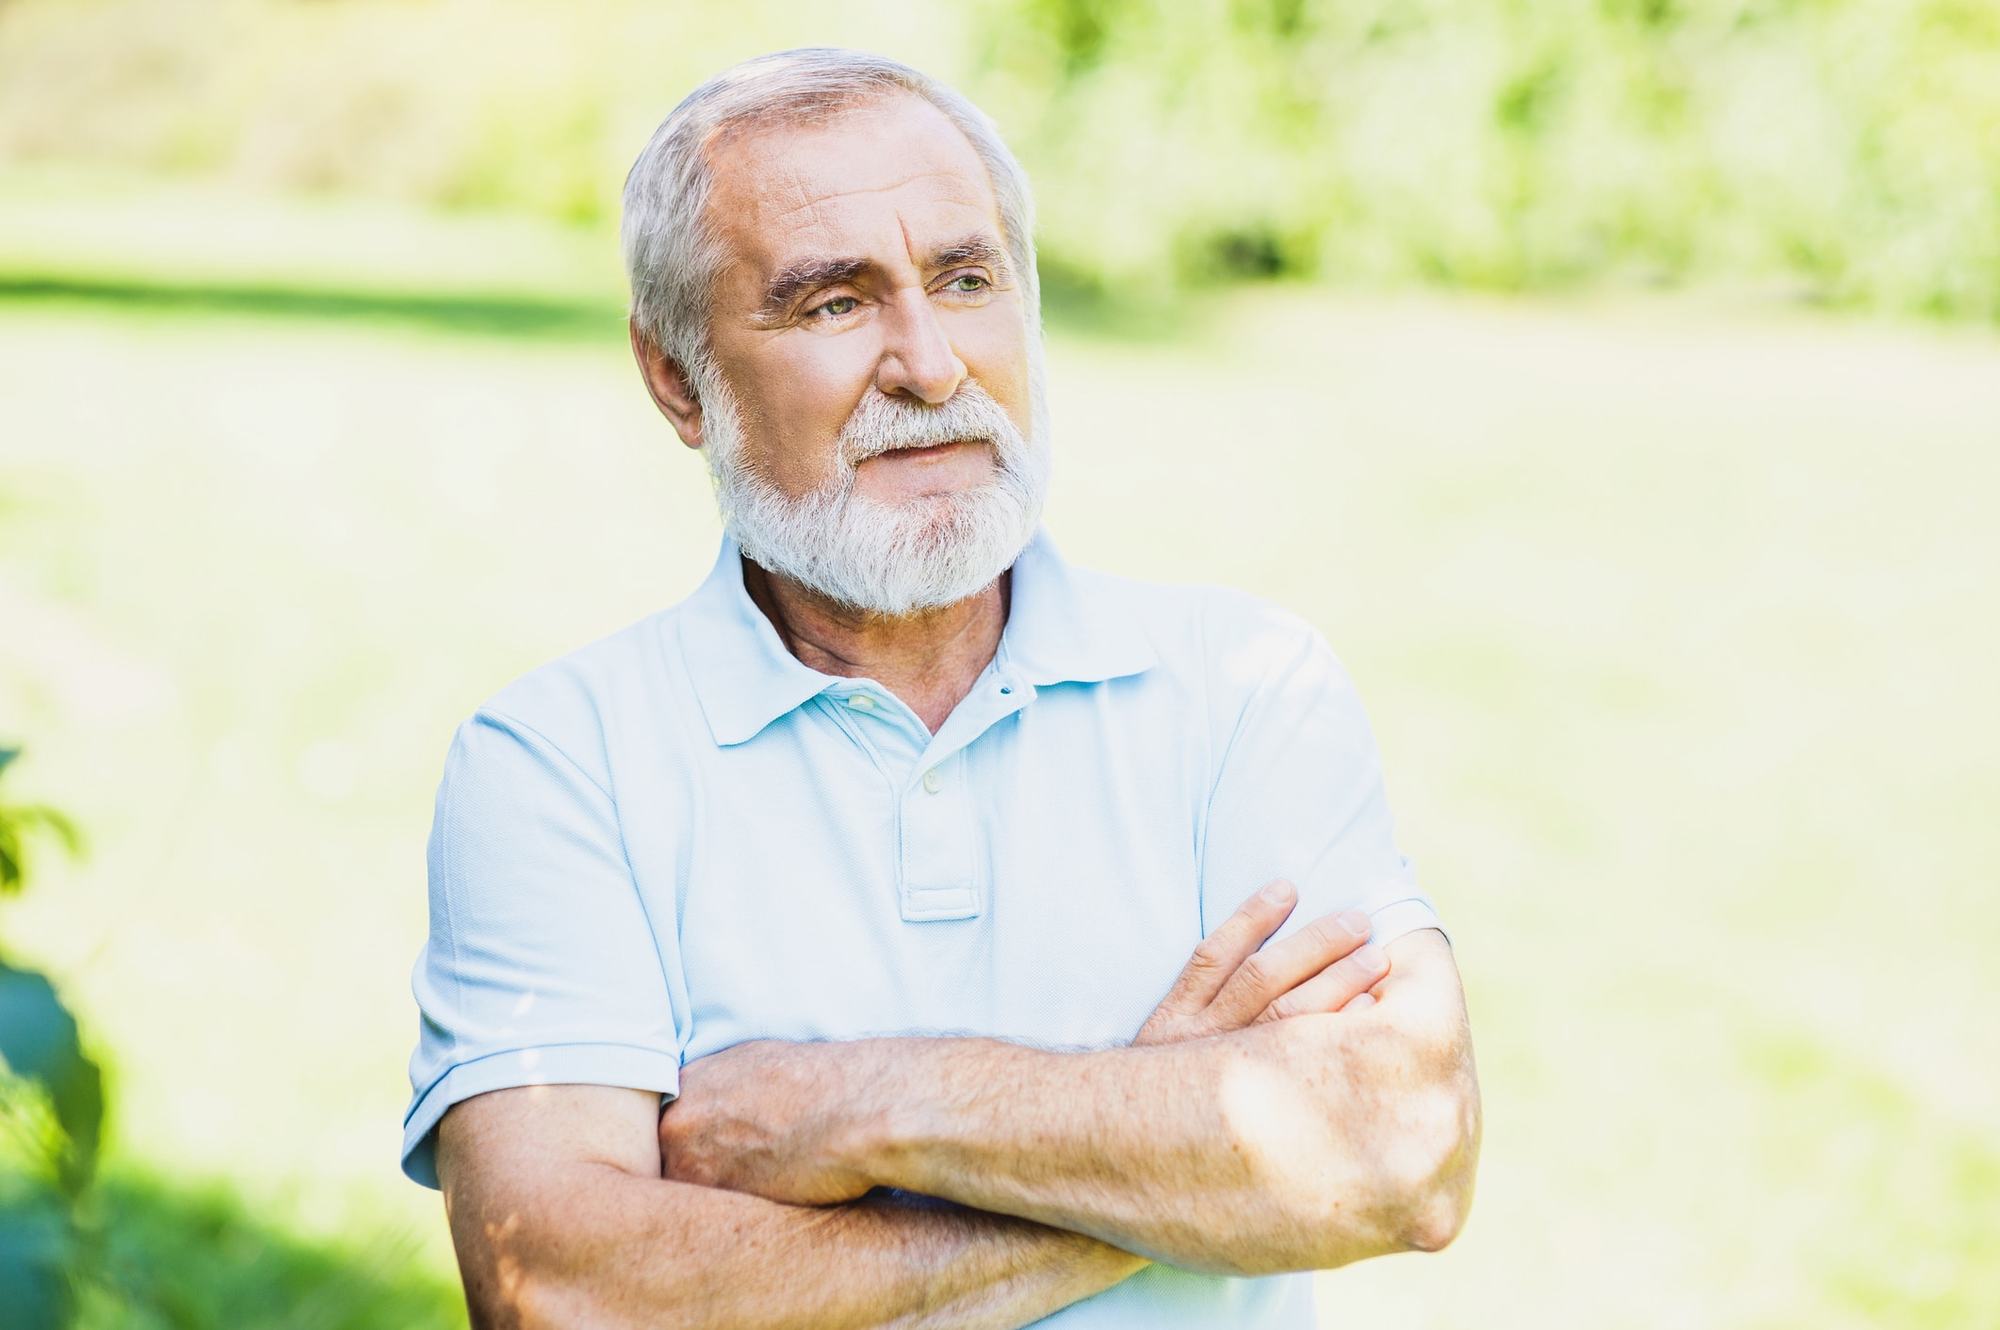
x=34, y=1245
x=15, y=823
x=10, y=857
x=51, y=821
x=38, y=1041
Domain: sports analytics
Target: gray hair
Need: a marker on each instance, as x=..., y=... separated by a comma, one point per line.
x=672, y=255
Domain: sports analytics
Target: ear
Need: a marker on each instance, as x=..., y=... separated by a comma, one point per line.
x=668, y=384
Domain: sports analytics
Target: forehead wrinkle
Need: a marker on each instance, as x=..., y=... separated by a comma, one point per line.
x=761, y=221
x=819, y=201
x=977, y=243
x=767, y=186
x=777, y=168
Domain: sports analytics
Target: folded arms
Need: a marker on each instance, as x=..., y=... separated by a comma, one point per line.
x=1284, y=1109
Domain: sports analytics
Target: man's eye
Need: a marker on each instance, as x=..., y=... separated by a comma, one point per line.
x=833, y=308
x=967, y=282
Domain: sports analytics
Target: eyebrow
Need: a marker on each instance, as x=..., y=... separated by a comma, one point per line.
x=794, y=279
x=974, y=248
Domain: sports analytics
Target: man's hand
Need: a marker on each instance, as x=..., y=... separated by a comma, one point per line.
x=1229, y=983
x=770, y=1117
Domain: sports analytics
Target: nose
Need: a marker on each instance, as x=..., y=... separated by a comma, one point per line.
x=917, y=357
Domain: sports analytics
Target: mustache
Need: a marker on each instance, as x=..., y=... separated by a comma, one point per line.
x=882, y=424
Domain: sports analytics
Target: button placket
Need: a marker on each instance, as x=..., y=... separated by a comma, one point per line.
x=939, y=865
x=939, y=877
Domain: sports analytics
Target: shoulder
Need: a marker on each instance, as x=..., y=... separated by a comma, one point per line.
x=573, y=703
x=1231, y=641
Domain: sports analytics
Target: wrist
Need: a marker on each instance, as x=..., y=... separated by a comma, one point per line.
x=865, y=1119
x=912, y=1105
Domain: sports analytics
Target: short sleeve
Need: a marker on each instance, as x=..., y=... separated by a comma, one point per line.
x=541, y=966
x=1299, y=790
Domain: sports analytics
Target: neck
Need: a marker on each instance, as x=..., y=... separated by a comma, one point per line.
x=929, y=659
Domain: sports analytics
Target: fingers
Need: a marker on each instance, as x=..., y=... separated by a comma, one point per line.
x=1269, y=974
x=1216, y=956
x=1342, y=986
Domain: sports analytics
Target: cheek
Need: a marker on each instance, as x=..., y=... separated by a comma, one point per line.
x=994, y=347
x=800, y=400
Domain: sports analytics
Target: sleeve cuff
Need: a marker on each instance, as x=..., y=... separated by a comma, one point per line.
x=1393, y=920
x=625, y=1065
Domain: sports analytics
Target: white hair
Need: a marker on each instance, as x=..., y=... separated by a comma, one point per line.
x=672, y=255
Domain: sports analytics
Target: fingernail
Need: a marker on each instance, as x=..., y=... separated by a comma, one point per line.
x=1371, y=959
x=1355, y=922
x=1361, y=1000
x=1275, y=893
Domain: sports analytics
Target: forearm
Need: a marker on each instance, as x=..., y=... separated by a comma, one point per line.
x=1195, y=1153
x=1302, y=1143
x=612, y=1249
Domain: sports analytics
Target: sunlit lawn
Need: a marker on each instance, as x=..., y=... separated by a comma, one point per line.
x=1678, y=630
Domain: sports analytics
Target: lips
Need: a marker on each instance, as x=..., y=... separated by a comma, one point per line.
x=925, y=449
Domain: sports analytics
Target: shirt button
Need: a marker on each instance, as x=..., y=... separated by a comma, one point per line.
x=933, y=782
x=861, y=702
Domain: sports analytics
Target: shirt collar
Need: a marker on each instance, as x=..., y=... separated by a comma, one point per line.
x=1067, y=624
x=1064, y=625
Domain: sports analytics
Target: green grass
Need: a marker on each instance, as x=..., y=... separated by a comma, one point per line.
x=1676, y=623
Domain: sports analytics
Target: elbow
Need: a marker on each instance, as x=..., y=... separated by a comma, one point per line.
x=501, y=1295
x=1409, y=1190
x=1394, y=1176
x=537, y=1302
x=1412, y=1196
x=519, y=1278
x=1435, y=1221
x=1427, y=1187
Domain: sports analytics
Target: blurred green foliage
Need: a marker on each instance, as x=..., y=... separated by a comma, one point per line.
x=19, y=823
x=1843, y=151
x=1848, y=151
x=134, y=1251
x=51, y=1115
x=181, y=1257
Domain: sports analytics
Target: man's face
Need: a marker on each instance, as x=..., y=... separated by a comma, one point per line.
x=866, y=256
x=873, y=414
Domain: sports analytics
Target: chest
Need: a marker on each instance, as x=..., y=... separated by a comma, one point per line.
x=1040, y=883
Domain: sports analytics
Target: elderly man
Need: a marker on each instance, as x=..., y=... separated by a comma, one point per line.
x=992, y=929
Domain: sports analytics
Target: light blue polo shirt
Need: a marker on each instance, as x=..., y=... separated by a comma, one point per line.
x=681, y=837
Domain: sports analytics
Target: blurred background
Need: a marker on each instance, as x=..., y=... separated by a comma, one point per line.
x=1615, y=383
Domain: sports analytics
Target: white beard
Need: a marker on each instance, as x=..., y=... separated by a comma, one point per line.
x=887, y=558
